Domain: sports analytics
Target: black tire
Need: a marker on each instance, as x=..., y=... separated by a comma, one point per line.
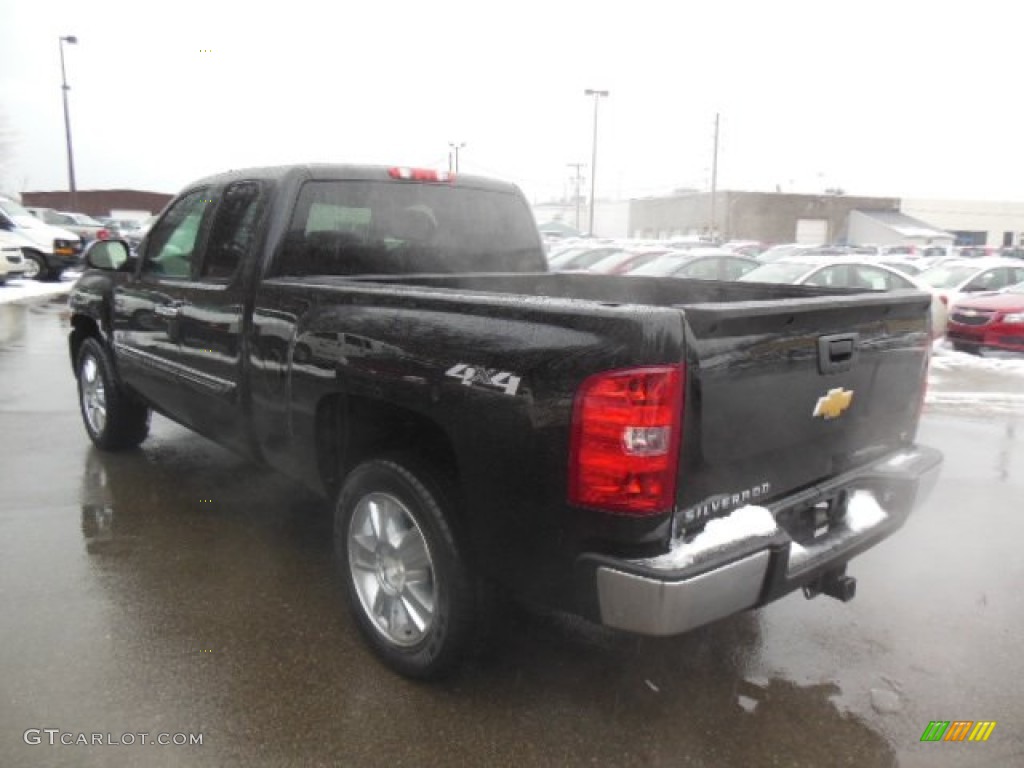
x=415, y=603
x=113, y=418
x=35, y=266
x=970, y=349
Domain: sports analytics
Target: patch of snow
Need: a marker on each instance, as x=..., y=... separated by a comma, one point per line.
x=1005, y=399
x=742, y=524
x=747, y=703
x=863, y=511
x=945, y=358
x=17, y=289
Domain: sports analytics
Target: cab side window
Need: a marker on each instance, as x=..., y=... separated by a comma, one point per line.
x=171, y=250
x=234, y=229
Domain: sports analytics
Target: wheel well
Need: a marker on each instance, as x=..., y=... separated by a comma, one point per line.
x=351, y=430
x=82, y=327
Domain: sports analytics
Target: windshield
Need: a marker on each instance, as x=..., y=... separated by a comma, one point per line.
x=18, y=214
x=779, y=272
x=83, y=219
x=946, y=276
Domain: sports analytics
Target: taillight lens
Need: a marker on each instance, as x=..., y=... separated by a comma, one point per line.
x=103, y=234
x=624, y=450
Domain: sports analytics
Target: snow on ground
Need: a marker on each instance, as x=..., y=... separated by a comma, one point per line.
x=945, y=358
x=17, y=289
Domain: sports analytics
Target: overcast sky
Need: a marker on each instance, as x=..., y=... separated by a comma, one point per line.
x=890, y=98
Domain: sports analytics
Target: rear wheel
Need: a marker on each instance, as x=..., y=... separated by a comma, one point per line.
x=408, y=583
x=112, y=417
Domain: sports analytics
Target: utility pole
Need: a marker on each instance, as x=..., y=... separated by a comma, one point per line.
x=577, y=178
x=453, y=147
x=72, y=190
x=714, y=179
x=598, y=95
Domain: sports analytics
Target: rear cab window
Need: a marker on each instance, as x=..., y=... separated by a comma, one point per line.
x=361, y=227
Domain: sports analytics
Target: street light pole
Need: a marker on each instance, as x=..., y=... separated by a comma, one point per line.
x=576, y=198
x=72, y=191
x=593, y=154
x=453, y=147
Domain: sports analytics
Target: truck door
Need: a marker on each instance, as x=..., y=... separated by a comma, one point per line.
x=147, y=307
x=211, y=318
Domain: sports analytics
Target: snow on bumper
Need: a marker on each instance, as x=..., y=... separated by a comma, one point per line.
x=748, y=558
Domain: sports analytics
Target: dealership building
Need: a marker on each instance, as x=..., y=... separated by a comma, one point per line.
x=778, y=217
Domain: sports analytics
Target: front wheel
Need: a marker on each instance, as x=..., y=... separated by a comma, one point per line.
x=408, y=583
x=112, y=417
x=35, y=266
x=970, y=349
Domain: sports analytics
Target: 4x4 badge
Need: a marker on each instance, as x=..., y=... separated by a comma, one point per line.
x=832, y=405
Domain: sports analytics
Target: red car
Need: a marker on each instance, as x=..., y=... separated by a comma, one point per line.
x=993, y=320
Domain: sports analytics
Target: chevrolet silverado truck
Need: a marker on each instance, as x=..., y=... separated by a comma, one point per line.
x=651, y=454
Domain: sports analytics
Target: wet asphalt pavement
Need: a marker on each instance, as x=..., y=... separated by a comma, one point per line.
x=180, y=590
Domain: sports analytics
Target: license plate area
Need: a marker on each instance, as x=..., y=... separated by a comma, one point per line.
x=810, y=522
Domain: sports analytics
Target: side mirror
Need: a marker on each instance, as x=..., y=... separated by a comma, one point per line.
x=108, y=255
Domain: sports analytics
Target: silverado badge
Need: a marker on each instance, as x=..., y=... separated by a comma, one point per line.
x=832, y=405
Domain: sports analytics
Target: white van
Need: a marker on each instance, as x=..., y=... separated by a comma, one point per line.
x=12, y=263
x=51, y=249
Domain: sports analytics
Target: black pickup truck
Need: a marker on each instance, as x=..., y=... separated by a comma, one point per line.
x=651, y=454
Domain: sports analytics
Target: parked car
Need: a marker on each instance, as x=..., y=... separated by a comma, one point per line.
x=623, y=261
x=952, y=280
x=745, y=247
x=848, y=272
x=906, y=266
x=989, y=321
x=577, y=259
x=52, y=249
x=784, y=250
x=134, y=236
x=86, y=227
x=911, y=250
x=975, y=251
x=698, y=264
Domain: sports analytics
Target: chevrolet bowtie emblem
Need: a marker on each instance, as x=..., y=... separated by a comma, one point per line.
x=832, y=405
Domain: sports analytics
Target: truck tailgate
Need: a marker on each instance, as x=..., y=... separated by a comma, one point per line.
x=784, y=394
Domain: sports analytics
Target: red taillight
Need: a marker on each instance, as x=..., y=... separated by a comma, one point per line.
x=103, y=234
x=420, y=174
x=944, y=299
x=624, y=450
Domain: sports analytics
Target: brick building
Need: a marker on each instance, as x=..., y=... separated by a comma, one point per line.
x=99, y=202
